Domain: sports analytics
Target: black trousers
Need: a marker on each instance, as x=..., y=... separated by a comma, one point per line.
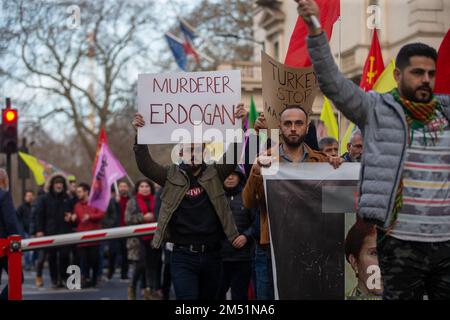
x=90, y=261
x=148, y=266
x=58, y=261
x=166, y=281
x=235, y=275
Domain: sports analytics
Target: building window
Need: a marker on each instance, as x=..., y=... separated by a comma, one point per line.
x=276, y=50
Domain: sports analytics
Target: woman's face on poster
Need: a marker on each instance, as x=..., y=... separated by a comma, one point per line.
x=367, y=267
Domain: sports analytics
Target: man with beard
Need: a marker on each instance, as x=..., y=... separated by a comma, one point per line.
x=194, y=215
x=52, y=218
x=294, y=126
x=354, y=148
x=404, y=167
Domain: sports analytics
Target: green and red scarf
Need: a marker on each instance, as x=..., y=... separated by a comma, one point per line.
x=418, y=116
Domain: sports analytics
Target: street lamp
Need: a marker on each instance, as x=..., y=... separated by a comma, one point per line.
x=235, y=36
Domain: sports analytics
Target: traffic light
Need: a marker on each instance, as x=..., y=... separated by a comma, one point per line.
x=9, y=131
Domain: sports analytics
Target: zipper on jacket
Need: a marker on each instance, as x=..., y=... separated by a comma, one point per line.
x=405, y=131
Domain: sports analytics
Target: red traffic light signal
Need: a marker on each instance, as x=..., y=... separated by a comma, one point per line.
x=8, y=139
x=9, y=116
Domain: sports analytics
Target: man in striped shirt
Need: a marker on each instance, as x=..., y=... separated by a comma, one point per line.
x=405, y=165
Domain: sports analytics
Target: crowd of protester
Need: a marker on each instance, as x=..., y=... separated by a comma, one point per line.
x=213, y=234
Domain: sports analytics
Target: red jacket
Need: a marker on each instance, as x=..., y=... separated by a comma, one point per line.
x=94, y=222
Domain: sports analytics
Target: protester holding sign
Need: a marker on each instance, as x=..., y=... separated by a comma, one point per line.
x=404, y=171
x=294, y=123
x=194, y=214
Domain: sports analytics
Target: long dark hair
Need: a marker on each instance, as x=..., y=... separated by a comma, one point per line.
x=148, y=181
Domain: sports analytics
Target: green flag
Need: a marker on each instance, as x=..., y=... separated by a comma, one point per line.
x=252, y=114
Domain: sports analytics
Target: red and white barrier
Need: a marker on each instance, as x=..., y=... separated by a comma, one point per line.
x=88, y=236
x=13, y=246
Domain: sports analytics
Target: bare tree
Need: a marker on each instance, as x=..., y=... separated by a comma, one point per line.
x=82, y=64
x=213, y=20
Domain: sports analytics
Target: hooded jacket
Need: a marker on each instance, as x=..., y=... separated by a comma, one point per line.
x=51, y=207
x=244, y=219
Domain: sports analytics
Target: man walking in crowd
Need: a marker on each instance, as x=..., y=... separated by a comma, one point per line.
x=294, y=122
x=195, y=211
x=354, y=147
x=24, y=215
x=52, y=217
x=329, y=146
x=87, y=218
x=404, y=172
x=237, y=263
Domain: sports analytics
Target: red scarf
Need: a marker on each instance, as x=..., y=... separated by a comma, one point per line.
x=143, y=208
x=123, y=205
x=142, y=203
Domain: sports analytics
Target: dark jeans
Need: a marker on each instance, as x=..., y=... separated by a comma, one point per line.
x=58, y=261
x=412, y=269
x=118, y=248
x=167, y=281
x=41, y=256
x=235, y=275
x=90, y=261
x=148, y=266
x=195, y=275
x=263, y=271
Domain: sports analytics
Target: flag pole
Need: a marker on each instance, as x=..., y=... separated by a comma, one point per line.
x=116, y=188
x=340, y=69
x=129, y=179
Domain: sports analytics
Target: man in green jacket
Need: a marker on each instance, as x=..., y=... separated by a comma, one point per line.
x=194, y=215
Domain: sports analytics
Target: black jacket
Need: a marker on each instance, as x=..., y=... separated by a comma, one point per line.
x=9, y=223
x=244, y=219
x=50, y=209
x=112, y=215
x=24, y=214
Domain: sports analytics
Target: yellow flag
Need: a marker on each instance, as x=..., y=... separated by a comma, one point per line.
x=386, y=81
x=35, y=167
x=329, y=120
x=346, y=138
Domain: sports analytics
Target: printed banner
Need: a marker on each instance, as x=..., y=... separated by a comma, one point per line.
x=306, y=205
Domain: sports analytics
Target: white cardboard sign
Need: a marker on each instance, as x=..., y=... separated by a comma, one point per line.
x=192, y=102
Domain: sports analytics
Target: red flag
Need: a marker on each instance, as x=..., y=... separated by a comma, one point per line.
x=442, y=85
x=297, y=54
x=101, y=139
x=374, y=65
